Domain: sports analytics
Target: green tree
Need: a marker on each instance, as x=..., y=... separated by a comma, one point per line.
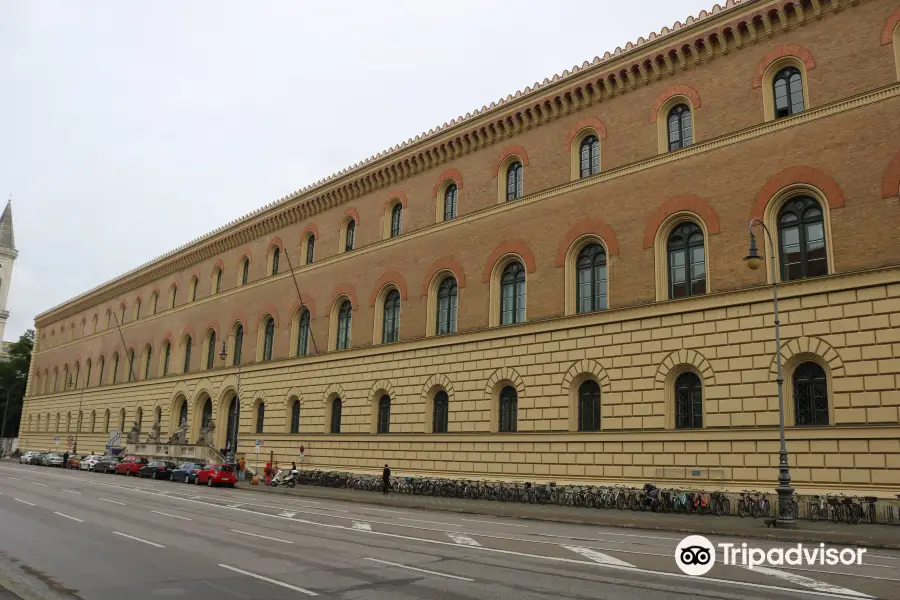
x=13, y=378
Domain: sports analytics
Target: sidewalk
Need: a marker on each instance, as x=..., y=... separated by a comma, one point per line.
x=863, y=535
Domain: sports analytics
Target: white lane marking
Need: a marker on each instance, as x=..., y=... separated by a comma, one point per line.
x=495, y=523
x=462, y=539
x=16, y=478
x=663, y=574
x=434, y=522
x=362, y=526
x=265, y=537
x=68, y=516
x=112, y=501
x=71, y=491
x=399, y=566
x=287, y=513
x=137, y=539
x=598, y=557
x=272, y=581
x=23, y=502
x=815, y=584
x=40, y=484
x=173, y=516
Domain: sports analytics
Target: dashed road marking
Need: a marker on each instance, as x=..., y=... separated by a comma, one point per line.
x=23, y=501
x=272, y=581
x=495, y=523
x=265, y=537
x=462, y=539
x=70, y=491
x=40, y=484
x=815, y=584
x=598, y=557
x=399, y=566
x=112, y=501
x=173, y=516
x=362, y=526
x=68, y=516
x=137, y=539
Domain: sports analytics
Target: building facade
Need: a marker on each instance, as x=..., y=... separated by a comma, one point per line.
x=552, y=286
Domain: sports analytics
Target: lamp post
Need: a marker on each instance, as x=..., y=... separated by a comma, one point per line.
x=230, y=458
x=784, y=490
x=80, y=401
x=6, y=406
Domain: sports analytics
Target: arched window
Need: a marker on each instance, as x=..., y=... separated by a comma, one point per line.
x=155, y=299
x=509, y=408
x=206, y=414
x=245, y=271
x=211, y=351
x=310, y=249
x=447, y=306
x=336, y=415
x=680, y=129
x=687, y=261
x=238, y=344
x=102, y=369
x=801, y=236
x=173, y=294
x=589, y=406
x=303, y=334
x=167, y=353
x=787, y=87
x=137, y=313
x=512, y=294
x=147, y=364
x=93, y=420
x=115, y=373
x=350, y=237
x=688, y=401
x=396, y=220
x=590, y=156
x=106, y=420
x=276, y=255
x=390, y=330
x=65, y=380
x=218, y=281
x=87, y=376
x=121, y=419
x=343, y=325
x=295, y=416
x=384, y=414
x=451, y=194
x=139, y=417
x=441, y=414
x=269, y=339
x=188, y=342
x=514, y=181
x=591, y=282
x=193, y=289
x=260, y=416
x=810, y=395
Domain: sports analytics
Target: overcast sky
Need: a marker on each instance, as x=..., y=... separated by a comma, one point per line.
x=129, y=128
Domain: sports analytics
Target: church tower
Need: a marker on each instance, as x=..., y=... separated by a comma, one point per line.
x=8, y=254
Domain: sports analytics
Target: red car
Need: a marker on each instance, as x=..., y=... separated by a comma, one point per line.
x=130, y=465
x=216, y=475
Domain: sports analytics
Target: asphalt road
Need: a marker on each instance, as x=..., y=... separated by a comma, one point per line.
x=104, y=537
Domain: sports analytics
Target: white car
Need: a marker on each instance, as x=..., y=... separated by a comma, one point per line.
x=88, y=462
x=25, y=459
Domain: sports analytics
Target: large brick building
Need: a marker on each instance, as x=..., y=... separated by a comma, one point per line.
x=553, y=285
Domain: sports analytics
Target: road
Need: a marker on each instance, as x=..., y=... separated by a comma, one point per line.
x=104, y=537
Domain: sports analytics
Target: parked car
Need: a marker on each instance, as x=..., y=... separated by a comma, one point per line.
x=130, y=465
x=106, y=464
x=157, y=469
x=25, y=459
x=75, y=461
x=52, y=459
x=37, y=459
x=213, y=475
x=186, y=473
x=88, y=462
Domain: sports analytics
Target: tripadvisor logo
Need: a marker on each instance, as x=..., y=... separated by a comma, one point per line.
x=695, y=555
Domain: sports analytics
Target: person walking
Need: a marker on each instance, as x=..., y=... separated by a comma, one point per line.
x=242, y=467
x=65, y=462
x=386, y=478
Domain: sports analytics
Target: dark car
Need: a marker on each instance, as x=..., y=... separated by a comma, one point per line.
x=157, y=469
x=106, y=464
x=38, y=459
x=186, y=473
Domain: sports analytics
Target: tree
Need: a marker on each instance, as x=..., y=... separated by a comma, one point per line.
x=13, y=377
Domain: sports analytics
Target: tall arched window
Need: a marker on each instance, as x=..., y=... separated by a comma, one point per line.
x=447, y=306
x=295, y=416
x=155, y=299
x=441, y=414
x=310, y=249
x=245, y=271
x=787, y=87
x=269, y=339
x=276, y=255
x=173, y=295
x=810, y=395
x=396, y=220
x=87, y=375
x=167, y=353
x=687, y=261
x=680, y=129
x=238, y=344
x=688, y=401
x=509, y=408
x=591, y=278
x=149, y=360
x=590, y=156
x=211, y=351
x=336, y=415
x=303, y=333
x=512, y=294
x=121, y=419
x=193, y=289
x=218, y=280
x=384, y=414
x=589, y=406
x=514, y=181
x=106, y=420
x=65, y=381
x=350, y=236
x=801, y=236
x=451, y=194
x=102, y=369
x=115, y=367
x=343, y=325
x=260, y=416
x=188, y=342
x=390, y=330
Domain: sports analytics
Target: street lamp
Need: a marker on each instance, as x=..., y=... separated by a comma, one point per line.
x=232, y=451
x=784, y=490
x=6, y=406
x=80, y=401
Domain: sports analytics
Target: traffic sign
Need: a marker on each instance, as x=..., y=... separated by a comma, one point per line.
x=57, y=441
x=259, y=443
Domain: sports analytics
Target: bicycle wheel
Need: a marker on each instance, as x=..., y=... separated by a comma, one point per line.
x=741, y=509
x=620, y=502
x=855, y=515
x=570, y=500
x=554, y=497
x=726, y=506
x=754, y=509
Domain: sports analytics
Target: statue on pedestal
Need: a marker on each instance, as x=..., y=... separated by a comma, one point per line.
x=134, y=434
x=180, y=435
x=153, y=436
x=207, y=433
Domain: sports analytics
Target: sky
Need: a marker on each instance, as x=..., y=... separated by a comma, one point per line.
x=130, y=128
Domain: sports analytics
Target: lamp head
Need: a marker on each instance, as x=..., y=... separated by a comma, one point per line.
x=753, y=259
x=223, y=354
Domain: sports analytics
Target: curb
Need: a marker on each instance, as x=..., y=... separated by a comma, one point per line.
x=783, y=536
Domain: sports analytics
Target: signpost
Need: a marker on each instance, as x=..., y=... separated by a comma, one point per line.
x=258, y=444
x=70, y=442
x=57, y=441
x=115, y=439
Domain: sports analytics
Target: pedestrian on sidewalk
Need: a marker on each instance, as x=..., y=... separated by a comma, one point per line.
x=386, y=478
x=65, y=462
x=242, y=468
